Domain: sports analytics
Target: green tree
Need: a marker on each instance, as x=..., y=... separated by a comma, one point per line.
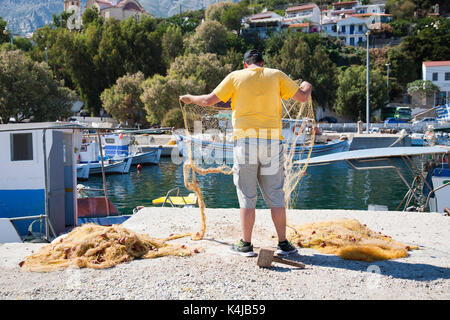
x=210, y=36
x=60, y=20
x=400, y=66
x=430, y=41
x=351, y=93
x=4, y=35
x=173, y=118
x=297, y=59
x=28, y=90
x=91, y=60
x=215, y=11
x=123, y=100
x=204, y=67
x=161, y=94
x=233, y=58
x=23, y=44
x=196, y=74
x=401, y=27
x=401, y=9
x=232, y=16
x=91, y=15
x=172, y=44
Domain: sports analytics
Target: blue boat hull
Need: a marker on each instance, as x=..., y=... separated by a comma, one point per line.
x=22, y=203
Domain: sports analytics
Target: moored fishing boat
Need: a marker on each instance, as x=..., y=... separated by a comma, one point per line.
x=220, y=147
x=119, y=146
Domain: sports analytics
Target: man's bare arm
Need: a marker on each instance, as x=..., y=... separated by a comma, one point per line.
x=203, y=100
x=304, y=92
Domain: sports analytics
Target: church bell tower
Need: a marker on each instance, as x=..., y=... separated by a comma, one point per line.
x=69, y=3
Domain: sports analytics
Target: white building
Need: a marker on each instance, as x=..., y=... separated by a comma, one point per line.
x=352, y=30
x=305, y=13
x=305, y=18
x=438, y=72
x=330, y=27
x=264, y=23
x=369, y=8
x=117, y=9
x=350, y=20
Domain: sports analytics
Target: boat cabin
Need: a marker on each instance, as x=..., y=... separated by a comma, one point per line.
x=38, y=176
x=116, y=145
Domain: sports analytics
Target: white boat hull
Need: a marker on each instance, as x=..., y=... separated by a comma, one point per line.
x=115, y=167
x=83, y=170
x=150, y=157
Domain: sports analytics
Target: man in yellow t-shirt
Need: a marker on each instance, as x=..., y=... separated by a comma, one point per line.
x=258, y=155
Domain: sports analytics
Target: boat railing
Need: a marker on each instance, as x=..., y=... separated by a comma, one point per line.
x=167, y=198
x=41, y=217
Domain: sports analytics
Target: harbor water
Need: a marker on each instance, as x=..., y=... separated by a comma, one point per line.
x=335, y=186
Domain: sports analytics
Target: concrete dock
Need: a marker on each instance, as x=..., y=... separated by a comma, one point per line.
x=215, y=273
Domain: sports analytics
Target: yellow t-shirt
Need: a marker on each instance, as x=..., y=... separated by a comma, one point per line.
x=256, y=101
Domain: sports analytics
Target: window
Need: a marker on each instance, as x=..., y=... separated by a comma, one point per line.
x=435, y=76
x=21, y=146
x=343, y=28
x=447, y=76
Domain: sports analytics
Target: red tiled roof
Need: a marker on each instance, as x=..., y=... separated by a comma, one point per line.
x=338, y=4
x=335, y=13
x=299, y=25
x=301, y=8
x=124, y=3
x=264, y=15
x=436, y=63
x=371, y=14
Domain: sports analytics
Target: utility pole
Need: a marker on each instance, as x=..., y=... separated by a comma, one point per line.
x=387, y=79
x=367, y=83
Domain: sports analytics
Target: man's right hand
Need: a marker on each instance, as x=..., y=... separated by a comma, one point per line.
x=186, y=99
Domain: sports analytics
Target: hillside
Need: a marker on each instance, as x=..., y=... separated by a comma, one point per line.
x=24, y=16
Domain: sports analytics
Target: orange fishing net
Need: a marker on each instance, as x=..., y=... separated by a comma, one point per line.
x=100, y=247
x=349, y=239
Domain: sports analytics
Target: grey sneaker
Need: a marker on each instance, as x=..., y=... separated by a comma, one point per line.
x=243, y=248
x=285, y=248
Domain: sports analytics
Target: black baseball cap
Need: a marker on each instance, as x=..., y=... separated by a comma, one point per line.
x=253, y=54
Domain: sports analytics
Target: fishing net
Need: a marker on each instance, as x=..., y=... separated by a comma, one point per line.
x=206, y=143
x=349, y=239
x=100, y=247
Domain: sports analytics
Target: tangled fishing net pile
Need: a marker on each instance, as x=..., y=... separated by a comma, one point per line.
x=349, y=239
x=100, y=247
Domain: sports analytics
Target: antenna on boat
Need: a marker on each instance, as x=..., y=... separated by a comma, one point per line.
x=103, y=172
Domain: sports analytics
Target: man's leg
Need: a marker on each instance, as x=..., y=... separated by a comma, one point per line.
x=279, y=220
x=247, y=222
x=245, y=180
x=271, y=182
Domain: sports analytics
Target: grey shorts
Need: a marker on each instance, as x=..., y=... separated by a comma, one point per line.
x=259, y=161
